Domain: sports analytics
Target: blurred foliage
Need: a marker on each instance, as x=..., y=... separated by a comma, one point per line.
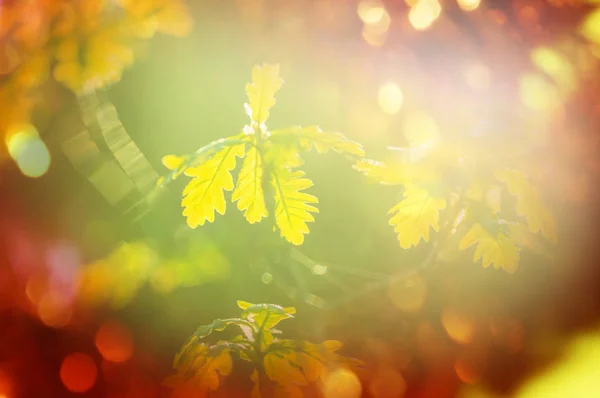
x=282, y=367
x=84, y=45
x=116, y=279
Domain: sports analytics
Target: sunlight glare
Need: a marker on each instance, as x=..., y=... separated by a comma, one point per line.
x=469, y=5
x=424, y=14
x=371, y=12
x=390, y=98
x=29, y=151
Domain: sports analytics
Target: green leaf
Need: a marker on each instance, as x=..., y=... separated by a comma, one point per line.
x=204, y=331
x=261, y=92
x=265, y=316
x=414, y=216
x=292, y=206
x=499, y=250
x=313, y=137
x=205, y=192
x=529, y=203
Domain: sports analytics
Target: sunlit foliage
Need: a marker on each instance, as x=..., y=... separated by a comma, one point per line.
x=457, y=192
x=282, y=367
x=270, y=166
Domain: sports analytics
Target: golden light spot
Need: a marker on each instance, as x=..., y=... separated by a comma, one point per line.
x=373, y=38
x=537, y=93
x=424, y=14
x=478, y=76
x=28, y=151
x=408, y=295
x=54, y=310
x=469, y=5
x=78, y=372
x=420, y=129
x=390, y=98
x=459, y=327
x=342, y=383
x=114, y=342
x=556, y=65
x=371, y=11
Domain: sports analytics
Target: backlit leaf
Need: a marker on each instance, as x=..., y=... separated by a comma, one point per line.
x=280, y=369
x=261, y=92
x=265, y=316
x=499, y=250
x=249, y=190
x=529, y=203
x=382, y=172
x=414, y=216
x=313, y=137
x=292, y=206
x=205, y=192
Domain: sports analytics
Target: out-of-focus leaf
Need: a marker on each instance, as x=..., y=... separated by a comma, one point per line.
x=382, y=172
x=313, y=137
x=499, y=250
x=292, y=206
x=205, y=192
x=414, y=216
x=529, y=203
x=266, y=81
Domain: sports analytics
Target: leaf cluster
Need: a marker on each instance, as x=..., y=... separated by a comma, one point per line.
x=280, y=366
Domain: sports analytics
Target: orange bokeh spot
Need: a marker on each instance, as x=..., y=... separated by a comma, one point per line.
x=54, y=310
x=5, y=385
x=78, y=372
x=458, y=326
x=114, y=342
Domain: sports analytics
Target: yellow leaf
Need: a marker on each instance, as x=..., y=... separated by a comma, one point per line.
x=292, y=209
x=172, y=162
x=279, y=369
x=204, y=193
x=313, y=136
x=249, y=191
x=415, y=215
x=499, y=250
x=529, y=203
x=216, y=366
x=261, y=92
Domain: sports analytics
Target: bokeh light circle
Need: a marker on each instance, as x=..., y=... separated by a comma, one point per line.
x=78, y=372
x=114, y=342
x=342, y=383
